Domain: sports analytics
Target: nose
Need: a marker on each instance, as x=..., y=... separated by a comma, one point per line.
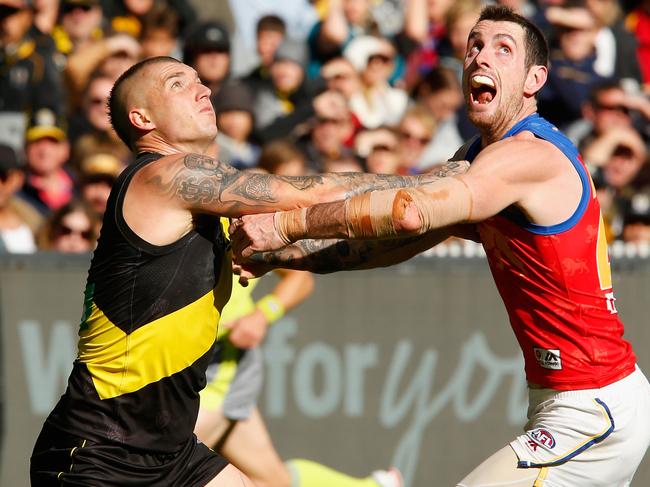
x=203, y=91
x=483, y=57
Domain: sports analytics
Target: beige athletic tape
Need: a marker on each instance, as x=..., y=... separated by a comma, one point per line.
x=290, y=225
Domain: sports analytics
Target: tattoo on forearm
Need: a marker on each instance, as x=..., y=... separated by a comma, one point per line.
x=324, y=256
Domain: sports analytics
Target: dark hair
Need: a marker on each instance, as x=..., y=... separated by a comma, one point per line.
x=602, y=87
x=117, y=110
x=535, y=42
x=271, y=22
x=276, y=153
x=160, y=17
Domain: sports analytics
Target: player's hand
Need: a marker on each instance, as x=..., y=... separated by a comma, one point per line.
x=249, y=270
x=247, y=331
x=253, y=233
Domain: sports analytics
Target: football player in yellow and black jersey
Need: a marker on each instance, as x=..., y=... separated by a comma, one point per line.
x=158, y=280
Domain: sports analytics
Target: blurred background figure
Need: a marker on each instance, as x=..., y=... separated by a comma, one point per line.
x=160, y=32
x=573, y=57
x=49, y=184
x=638, y=23
x=615, y=46
x=415, y=132
x=127, y=16
x=377, y=103
x=234, y=106
x=80, y=24
x=73, y=228
x=98, y=173
x=90, y=128
x=289, y=100
x=207, y=49
x=620, y=176
x=16, y=236
x=31, y=71
x=636, y=220
x=332, y=132
x=269, y=35
x=339, y=75
x=439, y=91
x=344, y=20
x=282, y=157
x=379, y=148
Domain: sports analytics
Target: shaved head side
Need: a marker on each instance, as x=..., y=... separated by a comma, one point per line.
x=121, y=96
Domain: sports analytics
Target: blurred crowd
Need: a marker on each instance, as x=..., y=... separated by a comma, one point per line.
x=320, y=86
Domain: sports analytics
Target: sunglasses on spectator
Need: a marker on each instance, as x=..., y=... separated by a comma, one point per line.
x=408, y=135
x=4, y=175
x=65, y=230
x=98, y=101
x=612, y=108
x=382, y=148
x=339, y=77
x=66, y=9
x=335, y=121
x=382, y=58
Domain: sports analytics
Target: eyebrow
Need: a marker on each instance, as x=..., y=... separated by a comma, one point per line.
x=475, y=35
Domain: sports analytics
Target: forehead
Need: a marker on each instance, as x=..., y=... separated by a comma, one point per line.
x=487, y=29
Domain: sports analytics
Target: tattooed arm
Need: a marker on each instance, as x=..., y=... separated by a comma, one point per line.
x=202, y=184
x=325, y=256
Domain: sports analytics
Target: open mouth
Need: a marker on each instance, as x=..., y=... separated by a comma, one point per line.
x=482, y=89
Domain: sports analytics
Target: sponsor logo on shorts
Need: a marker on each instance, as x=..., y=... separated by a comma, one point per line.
x=540, y=436
x=548, y=359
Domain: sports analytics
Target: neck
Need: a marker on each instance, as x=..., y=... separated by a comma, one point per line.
x=161, y=146
x=494, y=133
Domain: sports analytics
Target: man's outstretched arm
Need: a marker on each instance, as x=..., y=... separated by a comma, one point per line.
x=203, y=184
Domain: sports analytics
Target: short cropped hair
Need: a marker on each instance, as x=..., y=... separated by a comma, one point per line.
x=272, y=23
x=117, y=109
x=535, y=42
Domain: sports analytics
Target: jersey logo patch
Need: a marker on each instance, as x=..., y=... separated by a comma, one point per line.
x=548, y=359
x=542, y=437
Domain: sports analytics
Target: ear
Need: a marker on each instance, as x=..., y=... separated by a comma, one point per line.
x=140, y=119
x=535, y=80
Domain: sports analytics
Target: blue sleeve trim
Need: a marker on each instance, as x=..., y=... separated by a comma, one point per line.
x=545, y=131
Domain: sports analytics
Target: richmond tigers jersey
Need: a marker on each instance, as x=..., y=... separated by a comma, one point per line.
x=147, y=332
x=556, y=284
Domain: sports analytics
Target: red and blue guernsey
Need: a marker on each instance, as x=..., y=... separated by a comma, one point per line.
x=556, y=284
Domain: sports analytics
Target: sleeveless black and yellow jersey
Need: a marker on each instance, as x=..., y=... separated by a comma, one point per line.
x=147, y=332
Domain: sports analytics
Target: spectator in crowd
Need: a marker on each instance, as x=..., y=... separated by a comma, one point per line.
x=377, y=103
x=615, y=46
x=339, y=75
x=159, y=35
x=30, y=76
x=111, y=56
x=379, y=148
x=638, y=22
x=98, y=174
x=415, y=130
x=126, y=16
x=46, y=13
x=609, y=108
x=344, y=164
x=234, y=108
x=332, y=132
x=623, y=154
x=269, y=35
x=424, y=30
x=344, y=21
x=16, y=236
x=281, y=156
x=636, y=219
x=439, y=91
x=289, y=100
x=91, y=130
x=72, y=229
x=573, y=57
x=80, y=24
x=49, y=185
x=207, y=49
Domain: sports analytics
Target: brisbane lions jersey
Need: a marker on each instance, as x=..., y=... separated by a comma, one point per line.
x=556, y=284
